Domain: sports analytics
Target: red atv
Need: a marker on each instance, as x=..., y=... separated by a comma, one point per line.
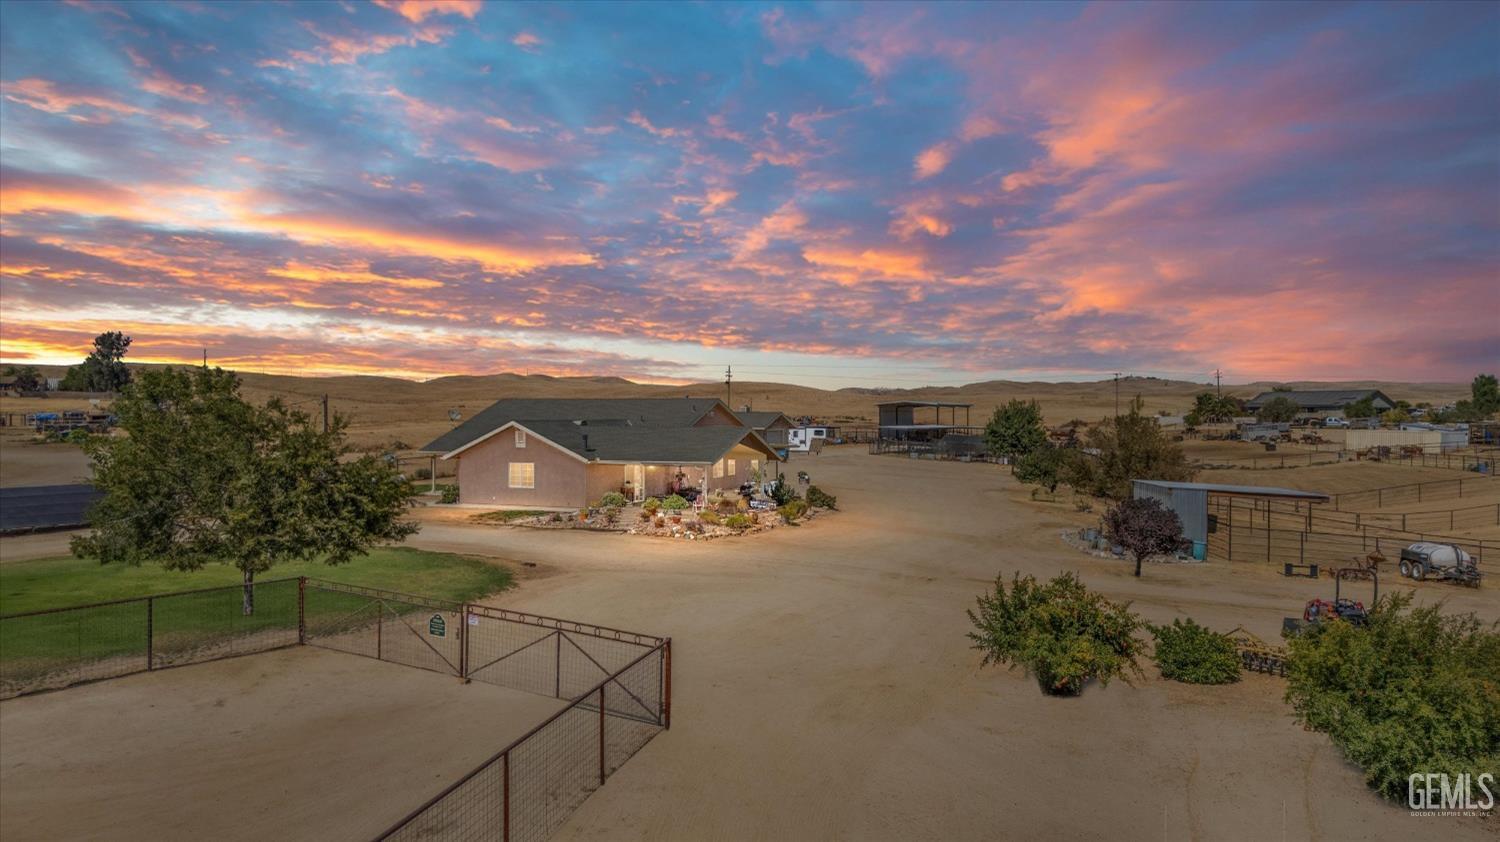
x=1349, y=610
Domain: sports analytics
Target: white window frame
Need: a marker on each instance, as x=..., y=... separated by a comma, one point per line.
x=510, y=476
x=730, y=469
x=719, y=469
x=520, y=439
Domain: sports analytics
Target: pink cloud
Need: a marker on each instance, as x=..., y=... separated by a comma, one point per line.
x=417, y=11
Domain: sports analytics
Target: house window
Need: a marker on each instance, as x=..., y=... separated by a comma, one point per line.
x=719, y=469
x=754, y=467
x=520, y=437
x=523, y=475
x=729, y=467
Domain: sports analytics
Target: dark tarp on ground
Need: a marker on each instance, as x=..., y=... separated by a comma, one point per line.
x=32, y=507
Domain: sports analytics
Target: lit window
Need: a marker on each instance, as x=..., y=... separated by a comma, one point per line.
x=520, y=437
x=729, y=467
x=754, y=466
x=523, y=475
x=719, y=469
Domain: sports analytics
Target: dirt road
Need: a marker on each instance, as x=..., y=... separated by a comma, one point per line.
x=824, y=688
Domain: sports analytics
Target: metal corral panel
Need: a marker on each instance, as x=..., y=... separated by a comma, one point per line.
x=33, y=507
x=1362, y=439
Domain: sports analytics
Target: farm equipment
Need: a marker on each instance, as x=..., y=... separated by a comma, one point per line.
x=1318, y=611
x=1256, y=655
x=1430, y=560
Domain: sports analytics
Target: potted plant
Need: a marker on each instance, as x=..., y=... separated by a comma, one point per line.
x=674, y=505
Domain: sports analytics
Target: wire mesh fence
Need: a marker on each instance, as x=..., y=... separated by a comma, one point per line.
x=47, y=650
x=530, y=787
x=617, y=684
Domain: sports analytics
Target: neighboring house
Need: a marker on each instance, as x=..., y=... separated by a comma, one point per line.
x=772, y=426
x=1325, y=401
x=568, y=453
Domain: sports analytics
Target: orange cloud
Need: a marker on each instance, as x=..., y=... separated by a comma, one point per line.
x=848, y=266
x=417, y=11
x=933, y=160
x=526, y=41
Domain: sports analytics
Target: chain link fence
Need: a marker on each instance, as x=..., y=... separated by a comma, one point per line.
x=617, y=685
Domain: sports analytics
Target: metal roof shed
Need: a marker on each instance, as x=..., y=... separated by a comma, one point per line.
x=1190, y=499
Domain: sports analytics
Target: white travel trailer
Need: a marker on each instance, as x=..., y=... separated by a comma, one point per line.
x=807, y=439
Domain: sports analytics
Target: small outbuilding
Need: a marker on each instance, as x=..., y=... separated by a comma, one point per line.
x=1190, y=501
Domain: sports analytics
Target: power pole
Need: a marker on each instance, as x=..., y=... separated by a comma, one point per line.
x=1218, y=385
x=325, y=412
x=1117, y=394
x=205, y=358
x=729, y=386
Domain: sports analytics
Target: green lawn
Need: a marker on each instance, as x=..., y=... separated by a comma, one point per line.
x=61, y=582
x=184, y=625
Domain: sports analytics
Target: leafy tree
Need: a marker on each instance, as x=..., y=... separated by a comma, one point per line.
x=1395, y=415
x=1120, y=449
x=1193, y=654
x=1144, y=527
x=104, y=366
x=204, y=476
x=1485, y=395
x=75, y=379
x=1277, y=410
x=1043, y=466
x=1060, y=632
x=1362, y=408
x=1015, y=429
x=1412, y=690
x=28, y=378
x=1212, y=408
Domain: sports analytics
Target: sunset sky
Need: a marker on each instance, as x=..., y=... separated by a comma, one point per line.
x=883, y=194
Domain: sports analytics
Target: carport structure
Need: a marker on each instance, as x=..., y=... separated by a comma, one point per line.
x=1190, y=501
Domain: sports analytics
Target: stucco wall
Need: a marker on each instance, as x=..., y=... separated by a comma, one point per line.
x=484, y=474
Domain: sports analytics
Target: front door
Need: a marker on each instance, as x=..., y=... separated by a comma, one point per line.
x=636, y=476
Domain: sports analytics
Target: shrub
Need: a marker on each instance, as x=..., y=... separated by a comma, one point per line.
x=1143, y=526
x=651, y=505
x=611, y=515
x=737, y=522
x=674, y=503
x=1412, y=690
x=449, y=494
x=613, y=498
x=1060, y=632
x=708, y=516
x=820, y=499
x=793, y=510
x=1188, y=652
x=783, y=492
x=422, y=473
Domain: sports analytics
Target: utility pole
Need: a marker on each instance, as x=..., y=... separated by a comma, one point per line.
x=1218, y=385
x=205, y=358
x=729, y=386
x=325, y=412
x=1117, y=394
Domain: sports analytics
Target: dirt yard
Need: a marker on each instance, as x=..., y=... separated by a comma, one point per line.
x=824, y=689
x=296, y=744
x=823, y=686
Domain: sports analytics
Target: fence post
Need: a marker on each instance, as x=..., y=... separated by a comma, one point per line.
x=667, y=703
x=1302, y=549
x=301, y=610
x=505, y=796
x=150, y=633
x=1229, y=550
x=379, y=629
x=557, y=669
x=601, y=735
x=463, y=642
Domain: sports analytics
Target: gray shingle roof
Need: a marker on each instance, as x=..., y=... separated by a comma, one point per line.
x=656, y=445
x=656, y=430
x=1333, y=398
x=759, y=420
x=642, y=412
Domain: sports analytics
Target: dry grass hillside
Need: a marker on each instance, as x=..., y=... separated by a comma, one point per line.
x=387, y=411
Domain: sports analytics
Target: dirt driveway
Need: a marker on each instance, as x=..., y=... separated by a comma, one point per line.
x=824, y=688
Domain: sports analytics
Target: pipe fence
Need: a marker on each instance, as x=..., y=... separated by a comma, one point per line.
x=617, y=685
x=1305, y=517
x=1415, y=492
x=1330, y=550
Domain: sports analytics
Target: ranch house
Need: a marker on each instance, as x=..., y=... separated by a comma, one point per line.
x=568, y=453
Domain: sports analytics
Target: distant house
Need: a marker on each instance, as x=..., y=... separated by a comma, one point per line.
x=1332, y=400
x=772, y=426
x=568, y=453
